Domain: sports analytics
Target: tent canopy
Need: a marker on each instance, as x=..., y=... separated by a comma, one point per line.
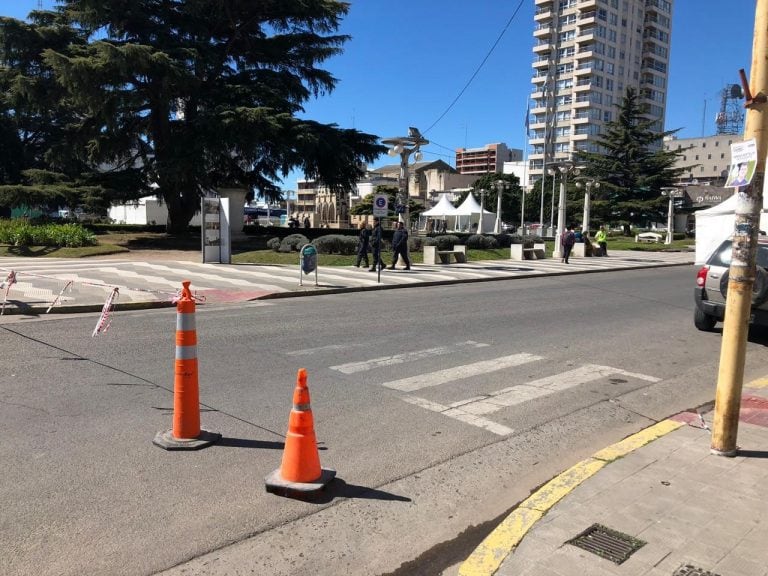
x=715, y=224
x=442, y=209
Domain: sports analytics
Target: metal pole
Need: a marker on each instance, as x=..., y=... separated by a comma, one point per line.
x=480, y=224
x=541, y=208
x=499, y=190
x=587, y=199
x=670, y=217
x=403, y=216
x=741, y=276
x=558, y=252
x=522, y=210
x=552, y=209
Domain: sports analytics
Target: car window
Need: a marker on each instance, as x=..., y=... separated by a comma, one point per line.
x=722, y=256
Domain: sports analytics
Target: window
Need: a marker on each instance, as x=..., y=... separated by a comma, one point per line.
x=609, y=84
x=607, y=116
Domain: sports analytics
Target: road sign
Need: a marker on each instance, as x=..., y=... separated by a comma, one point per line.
x=380, y=205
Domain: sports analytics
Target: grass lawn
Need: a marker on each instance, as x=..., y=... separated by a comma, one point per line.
x=250, y=251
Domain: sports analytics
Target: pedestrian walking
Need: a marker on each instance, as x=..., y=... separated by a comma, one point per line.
x=567, y=242
x=376, y=246
x=602, y=241
x=400, y=246
x=307, y=223
x=363, y=245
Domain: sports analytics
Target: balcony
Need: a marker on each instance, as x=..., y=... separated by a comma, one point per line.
x=543, y=3
x=585, y=35
x=658, y=6
x=587, y=18
x=584, y=67
x=583, y=85
x=542, y=31
x=542, y=46
x=586, y=5
x=542, y=61
x=543, y=14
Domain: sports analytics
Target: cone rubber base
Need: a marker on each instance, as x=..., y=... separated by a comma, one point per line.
x=276, y=484
x=166, y=440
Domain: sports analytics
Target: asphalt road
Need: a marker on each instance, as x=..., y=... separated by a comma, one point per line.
x=439, y=407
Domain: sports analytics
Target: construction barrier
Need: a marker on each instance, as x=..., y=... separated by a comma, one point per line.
x=300, y=474
x=186, y=433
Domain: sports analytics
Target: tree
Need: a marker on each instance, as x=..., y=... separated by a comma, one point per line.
x=42, y=155
x=365, y=206
x=191, y=96
x=632, y=166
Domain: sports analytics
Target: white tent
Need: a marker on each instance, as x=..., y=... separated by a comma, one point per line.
x=715, y=224
x=442, y=209
x=468, y=215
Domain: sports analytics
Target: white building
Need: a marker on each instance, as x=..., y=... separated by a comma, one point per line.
x=586, y=54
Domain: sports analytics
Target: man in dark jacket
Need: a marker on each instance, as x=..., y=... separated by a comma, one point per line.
x=400, y=246
x=376, y=246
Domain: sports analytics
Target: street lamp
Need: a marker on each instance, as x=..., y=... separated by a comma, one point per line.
x=672, y=193
x=587, y=184
x=404, y=146
x=501, y=185
x=552, y=172
x=565, y=168
x=482, y=209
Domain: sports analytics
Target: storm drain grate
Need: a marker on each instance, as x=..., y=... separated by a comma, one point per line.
x=607, y=543
x=689, y=570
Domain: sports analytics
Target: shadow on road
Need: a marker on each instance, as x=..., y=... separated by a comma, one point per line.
x=340, y=489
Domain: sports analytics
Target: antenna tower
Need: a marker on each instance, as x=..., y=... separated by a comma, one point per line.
x=730, y=117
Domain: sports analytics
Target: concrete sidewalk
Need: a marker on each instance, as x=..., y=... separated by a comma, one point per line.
x=51, y=285
x=655, y=504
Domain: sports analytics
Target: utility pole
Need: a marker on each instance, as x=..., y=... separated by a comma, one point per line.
x=742, y=272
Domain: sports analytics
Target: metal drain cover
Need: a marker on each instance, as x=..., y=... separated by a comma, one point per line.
x=689, y=570
x=606, y=543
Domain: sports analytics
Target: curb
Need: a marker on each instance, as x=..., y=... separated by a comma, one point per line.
x=491, y=553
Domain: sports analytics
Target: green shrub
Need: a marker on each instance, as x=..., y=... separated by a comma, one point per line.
x=480, y=242
x=503, y=240
x=678, y=236
x=446, y=241
x=274, y=244
x=428, y=241
x=335, y=244
x=293, y=243
x=415, y=243
x=22, y=233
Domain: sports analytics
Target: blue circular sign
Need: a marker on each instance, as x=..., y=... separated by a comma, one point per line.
x=381, y=202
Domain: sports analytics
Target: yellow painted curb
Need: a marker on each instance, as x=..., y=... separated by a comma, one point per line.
x=486, y=559
x=637, y=440
x=759, y=383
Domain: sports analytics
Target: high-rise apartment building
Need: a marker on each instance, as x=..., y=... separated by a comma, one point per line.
x=586, y=54
x=488, y=159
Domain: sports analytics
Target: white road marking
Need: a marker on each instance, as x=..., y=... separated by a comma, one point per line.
x=460, y=372
x=471, y=410
x=355, y=367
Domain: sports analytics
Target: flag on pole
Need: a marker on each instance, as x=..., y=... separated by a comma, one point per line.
x=527, y=118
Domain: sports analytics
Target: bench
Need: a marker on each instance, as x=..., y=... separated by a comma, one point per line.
x=517, y=252
x=432, y=255
x=649, y=237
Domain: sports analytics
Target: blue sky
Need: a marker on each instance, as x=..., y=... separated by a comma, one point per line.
x=408, y=60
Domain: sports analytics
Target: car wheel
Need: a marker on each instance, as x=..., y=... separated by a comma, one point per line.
x=759, y=286
x=703, y=321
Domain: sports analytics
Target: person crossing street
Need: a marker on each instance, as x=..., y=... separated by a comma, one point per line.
x=400, y=246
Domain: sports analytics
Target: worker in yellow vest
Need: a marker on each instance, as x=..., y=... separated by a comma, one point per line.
x=602, y=240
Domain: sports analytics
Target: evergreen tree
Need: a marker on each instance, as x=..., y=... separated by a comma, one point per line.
x=191, y=96
x=632, y=166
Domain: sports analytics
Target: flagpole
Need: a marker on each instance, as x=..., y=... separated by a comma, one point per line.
x=525, y=163
x=544, y=161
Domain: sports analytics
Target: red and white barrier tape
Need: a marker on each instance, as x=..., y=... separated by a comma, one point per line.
x=9, y=281
x=104, y=320
x=55, y=300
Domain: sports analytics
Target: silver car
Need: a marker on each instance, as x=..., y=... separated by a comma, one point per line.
x=712, y=287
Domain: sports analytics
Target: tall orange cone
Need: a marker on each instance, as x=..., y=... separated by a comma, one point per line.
x=300, y=474
x=186, y=433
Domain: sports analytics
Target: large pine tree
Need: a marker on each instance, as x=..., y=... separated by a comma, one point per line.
x=200, y=94
x=632, y=166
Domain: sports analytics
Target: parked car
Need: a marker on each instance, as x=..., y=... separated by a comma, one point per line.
x=712, y=287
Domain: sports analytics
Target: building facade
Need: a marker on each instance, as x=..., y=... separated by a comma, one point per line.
x=705, y=160
x=486, y=160
x=586, y=54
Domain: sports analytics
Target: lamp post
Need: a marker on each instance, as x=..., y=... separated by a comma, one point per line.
x=565, y=168
x=587, y=184
x=672, y=193
x=501, y=185
x=482, y=209
x=552, y=172
x=404, y=146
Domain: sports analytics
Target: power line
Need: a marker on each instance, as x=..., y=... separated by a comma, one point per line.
x=477, y=70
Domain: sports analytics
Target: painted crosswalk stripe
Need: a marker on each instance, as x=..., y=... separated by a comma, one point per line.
x=458, y=414
x=355, y=367
x=438, y=377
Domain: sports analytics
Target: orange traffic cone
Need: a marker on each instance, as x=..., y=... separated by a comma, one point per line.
x=300, y=474
x=186, y=433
